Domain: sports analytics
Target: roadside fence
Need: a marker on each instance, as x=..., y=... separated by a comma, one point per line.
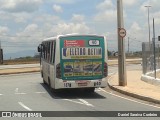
x=151, y=59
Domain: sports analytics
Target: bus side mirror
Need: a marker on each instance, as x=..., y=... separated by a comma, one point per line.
x=158, y=38
x=39, y=48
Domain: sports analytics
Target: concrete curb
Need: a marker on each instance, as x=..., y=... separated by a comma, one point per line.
x=138, y=96
x=150, y=80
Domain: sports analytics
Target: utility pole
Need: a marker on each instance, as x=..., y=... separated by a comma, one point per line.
x=154, y=49
x=121, y=48
x=149, y=33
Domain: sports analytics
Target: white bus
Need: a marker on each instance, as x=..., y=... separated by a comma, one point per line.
x=74, y=61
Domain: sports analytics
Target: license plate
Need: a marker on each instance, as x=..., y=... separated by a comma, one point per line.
x=82, y=84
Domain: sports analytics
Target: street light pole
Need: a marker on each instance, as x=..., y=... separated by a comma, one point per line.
x=148, y=6
x=154, y=49
x=121, y=48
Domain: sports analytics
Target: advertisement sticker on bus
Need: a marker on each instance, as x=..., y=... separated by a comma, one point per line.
x=82, y=57
x=81, y=53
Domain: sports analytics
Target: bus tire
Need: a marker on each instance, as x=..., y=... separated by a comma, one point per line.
x=90, y=90
x=44, y=82
x=41, y=74
x=56, y=91
x=49, y=84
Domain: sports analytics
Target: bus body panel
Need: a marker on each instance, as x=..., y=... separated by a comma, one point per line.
x=57, y=61
x=49, y=70
x=81, y=84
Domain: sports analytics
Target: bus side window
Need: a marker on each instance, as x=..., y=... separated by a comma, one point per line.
x=44, y=47
x=51, y=52
x=45, y=52
x=41, y=51
x=48, y=52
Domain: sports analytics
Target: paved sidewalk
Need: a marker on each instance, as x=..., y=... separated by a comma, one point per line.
x=136, y=87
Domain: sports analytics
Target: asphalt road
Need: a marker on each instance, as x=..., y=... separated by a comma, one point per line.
x=26, y=92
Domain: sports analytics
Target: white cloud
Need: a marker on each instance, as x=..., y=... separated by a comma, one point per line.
x=20, y=5
x=108, y=16
x=135, y=27
x=137, y=32
x=20, y=20
x=48, y=19
x=3, y=30
x=106, y=12
x=155, y=5
x=130, y=2
x=30, y=33
x=107, y=4
x=65, y=28
x=64, y=1
x=6, y=16
x=21, y=17
x=57, y=8
x=78, y=18
x=29, y=30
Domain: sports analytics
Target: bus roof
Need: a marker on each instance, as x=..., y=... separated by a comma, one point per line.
x=73, y=34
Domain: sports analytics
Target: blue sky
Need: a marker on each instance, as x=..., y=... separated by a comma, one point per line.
x=25, y=23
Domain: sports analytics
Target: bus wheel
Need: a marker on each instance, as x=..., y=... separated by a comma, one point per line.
x=44, y=82
x=90, y=90
x=49, y=83
x=41, y=74
x=56, y=91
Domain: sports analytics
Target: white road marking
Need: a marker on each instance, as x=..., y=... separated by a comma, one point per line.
x=16, y=90
x=73, y=101
x=83, y=102
x=1, y=94
x=97, y=90
x=20, y=93
x=24, y=106
x=40, y=92
x=112, y=73
x=129, y=99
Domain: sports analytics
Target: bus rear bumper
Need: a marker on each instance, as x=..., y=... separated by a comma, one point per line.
x=102, y=83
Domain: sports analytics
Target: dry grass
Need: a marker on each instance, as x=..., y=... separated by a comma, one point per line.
x=20, y=61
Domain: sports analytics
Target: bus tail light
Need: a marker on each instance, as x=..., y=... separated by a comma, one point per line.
x=58, y=71
x=105, y=72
